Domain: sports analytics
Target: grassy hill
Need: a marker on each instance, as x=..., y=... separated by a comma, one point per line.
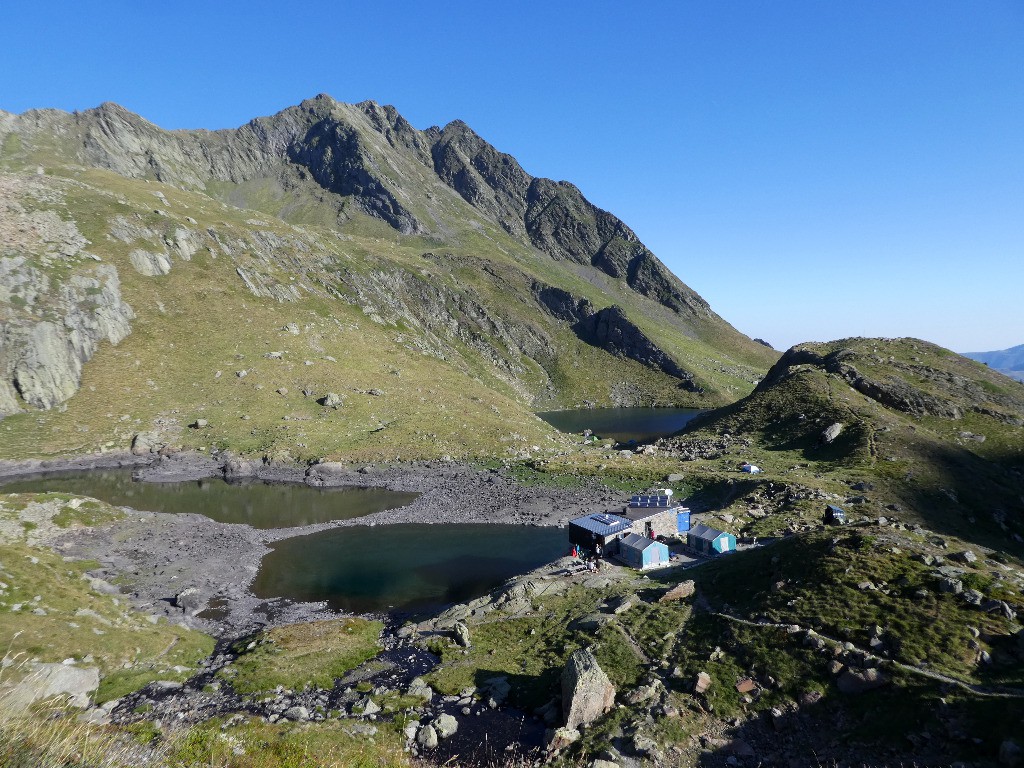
x=927, y=437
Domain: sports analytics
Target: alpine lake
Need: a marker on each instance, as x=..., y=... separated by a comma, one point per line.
x=624, y=425
x=398, y=568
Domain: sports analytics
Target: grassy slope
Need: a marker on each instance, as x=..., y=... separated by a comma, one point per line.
x=200, y=319
x=76, y=620
x=919, y=469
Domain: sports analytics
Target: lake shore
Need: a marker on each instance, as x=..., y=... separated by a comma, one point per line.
x=175, y=565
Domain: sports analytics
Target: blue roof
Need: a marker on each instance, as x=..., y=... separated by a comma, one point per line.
x=602, y=524
x=706, y=532
x=639, y=542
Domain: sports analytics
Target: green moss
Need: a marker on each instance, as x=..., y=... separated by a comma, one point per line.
x=300, y=655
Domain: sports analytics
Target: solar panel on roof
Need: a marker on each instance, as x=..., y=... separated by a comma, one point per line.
x=649, y=501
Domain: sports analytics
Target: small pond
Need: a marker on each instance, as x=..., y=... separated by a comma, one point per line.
x=406, y=567
x=261, y=505
x=622, y=424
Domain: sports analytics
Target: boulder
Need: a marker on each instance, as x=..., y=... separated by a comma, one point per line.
x=419, y=689
x=560, y=738
x=237, y=468
x=860, y=681
x=593, y=621
x=831, y=433
x=587, y=693
x=951, y=586
x=680, y=591
x=703, y=682
x=497, y=689
x=331, y=400
x=144, y=443
x=461, y=633
x=427, y=737
x=367, y=707
x=189, y=600
x=46, y=681
x=445, y=726
x=296, y=713
x=643, y=693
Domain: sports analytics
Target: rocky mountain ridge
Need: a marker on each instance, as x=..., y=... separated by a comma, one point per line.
x=364, y=155
x=423, y=242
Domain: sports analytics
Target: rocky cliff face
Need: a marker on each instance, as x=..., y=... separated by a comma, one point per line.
x=57, y=302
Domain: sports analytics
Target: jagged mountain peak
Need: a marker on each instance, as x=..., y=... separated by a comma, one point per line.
x=339, y=147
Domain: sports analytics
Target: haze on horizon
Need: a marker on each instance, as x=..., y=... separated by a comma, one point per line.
x=814, y=171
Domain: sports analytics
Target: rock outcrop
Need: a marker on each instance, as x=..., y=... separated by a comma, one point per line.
x=59, y=303
x=587, y=693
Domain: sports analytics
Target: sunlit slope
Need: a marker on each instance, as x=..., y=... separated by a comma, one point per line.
x=133, y=304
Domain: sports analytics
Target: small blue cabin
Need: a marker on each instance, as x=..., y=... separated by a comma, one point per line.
x=834, y=515
x=598, y=530
x=710, y=541
x=642, y=552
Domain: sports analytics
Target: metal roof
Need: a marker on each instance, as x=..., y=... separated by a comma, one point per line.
x=636, y=541
x=706, y=532
x=602, y=524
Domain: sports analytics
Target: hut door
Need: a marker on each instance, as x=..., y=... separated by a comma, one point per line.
x=648, y=530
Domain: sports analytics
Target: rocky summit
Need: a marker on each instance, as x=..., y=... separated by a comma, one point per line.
x=331, y=297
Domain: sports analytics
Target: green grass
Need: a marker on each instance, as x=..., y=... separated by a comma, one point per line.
x=297, y=656
x=75, y=620
x=262, y=745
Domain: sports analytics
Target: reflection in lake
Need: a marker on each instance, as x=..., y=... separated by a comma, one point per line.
x=622, y=424
x=261, y=505
x=404, y=567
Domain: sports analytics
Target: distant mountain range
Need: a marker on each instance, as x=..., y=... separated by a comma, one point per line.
x=1009, y=362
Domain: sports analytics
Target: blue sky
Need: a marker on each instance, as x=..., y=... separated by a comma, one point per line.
x=815, y=170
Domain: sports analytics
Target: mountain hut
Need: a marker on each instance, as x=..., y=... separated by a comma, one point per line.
x=642, y=552
x=710, y=541
x=598, y=530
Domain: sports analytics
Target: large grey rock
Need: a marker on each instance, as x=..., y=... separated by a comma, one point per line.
x=497, y=689
x=445, y=726
x=189, y=600
x=367, y=707
x=47, y=681
x=461, y=632
x=560, y=738
x=860, y=681
x=144, y=443
x=238, y=468
x=149, y=263
x=427, y=737
x=587, y=693
x=331, y=400
x=419, y=689
x=296, y=713
x=680, y=591
x=831, y=432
